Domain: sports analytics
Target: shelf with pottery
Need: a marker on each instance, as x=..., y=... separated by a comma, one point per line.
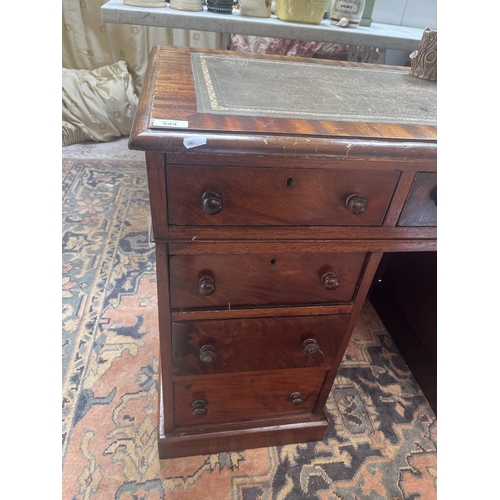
x=377, y=35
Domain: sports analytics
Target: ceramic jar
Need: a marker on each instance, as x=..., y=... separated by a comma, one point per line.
x=346, y=13
x=301, y=11
x=220, y=6
x=423, y=61
x=145, y=3
x=255, y=8
x=189, y=5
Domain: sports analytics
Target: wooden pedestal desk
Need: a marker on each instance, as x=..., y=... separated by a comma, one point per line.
x=276, y=184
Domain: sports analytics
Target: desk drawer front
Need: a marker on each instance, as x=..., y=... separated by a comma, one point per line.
x=209, y=347
x=277, y=196
x=208, y=281
x=420, y=208
x=247, y=396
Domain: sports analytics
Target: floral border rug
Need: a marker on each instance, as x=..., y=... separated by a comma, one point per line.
x=381, y=442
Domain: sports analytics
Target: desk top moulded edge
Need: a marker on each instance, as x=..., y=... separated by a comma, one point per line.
x=319, y=138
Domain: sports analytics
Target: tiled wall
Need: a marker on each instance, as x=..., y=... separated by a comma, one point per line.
x=414, y=13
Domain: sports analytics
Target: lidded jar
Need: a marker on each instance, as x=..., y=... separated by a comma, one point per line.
x=346, y=13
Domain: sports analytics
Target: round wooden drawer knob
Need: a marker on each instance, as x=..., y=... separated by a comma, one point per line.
x=206, y=285
x=310, y=346
x=199, y=406
x=207, y=353
x=296, y=399
x=212, y=202
x=330, y=280
x=356, y=204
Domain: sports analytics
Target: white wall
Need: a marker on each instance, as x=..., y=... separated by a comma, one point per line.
x=414, y=13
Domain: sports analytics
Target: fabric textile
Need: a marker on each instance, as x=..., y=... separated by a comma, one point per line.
x=97, y=104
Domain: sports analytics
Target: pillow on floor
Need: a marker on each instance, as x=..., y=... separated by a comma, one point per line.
x=97, y=104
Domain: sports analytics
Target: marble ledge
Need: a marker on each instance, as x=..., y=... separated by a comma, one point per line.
x=386, y=36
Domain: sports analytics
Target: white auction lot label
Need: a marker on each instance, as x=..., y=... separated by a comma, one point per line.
x=193, y=141
x=170, y=123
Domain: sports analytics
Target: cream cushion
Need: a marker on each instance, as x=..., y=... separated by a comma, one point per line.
x=97, y=104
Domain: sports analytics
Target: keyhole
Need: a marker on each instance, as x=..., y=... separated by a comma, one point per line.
x=289, y=183
x=273, y=262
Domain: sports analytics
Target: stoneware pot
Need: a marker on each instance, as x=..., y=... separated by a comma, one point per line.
x=255, y=8
x=301, y=11
x=220, y=6
x=189, y=5
x=423, y=61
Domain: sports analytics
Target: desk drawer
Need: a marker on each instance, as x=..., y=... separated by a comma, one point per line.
x=211, y=281
x=420, y=208
x=238, y=345
x=199, y=195
x=246, y=396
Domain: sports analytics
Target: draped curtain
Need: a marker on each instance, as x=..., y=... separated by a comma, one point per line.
x=104, y=65
x=101, y=62
x=88, y=43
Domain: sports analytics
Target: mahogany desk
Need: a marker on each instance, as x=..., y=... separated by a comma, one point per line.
x=276, y=185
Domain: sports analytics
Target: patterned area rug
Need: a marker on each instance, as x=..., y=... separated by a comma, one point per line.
x=381, y=442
